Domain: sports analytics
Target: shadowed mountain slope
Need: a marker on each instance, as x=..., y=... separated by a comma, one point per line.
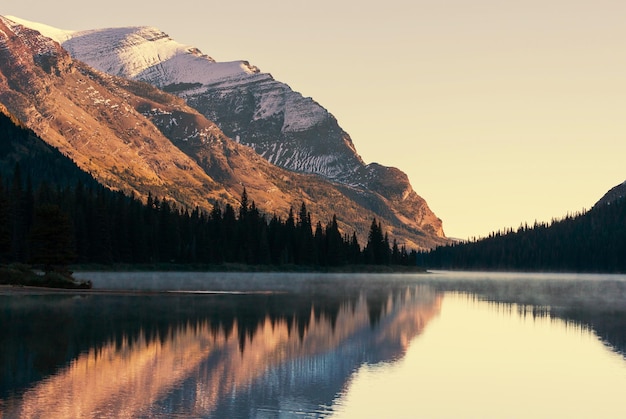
x=615, y=193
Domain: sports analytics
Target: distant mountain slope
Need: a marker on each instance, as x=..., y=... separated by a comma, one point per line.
x=135, y=138
x=594, y=241
x=613, y=195
x=251, y=107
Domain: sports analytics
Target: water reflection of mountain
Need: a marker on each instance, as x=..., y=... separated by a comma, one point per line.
x=219, y=355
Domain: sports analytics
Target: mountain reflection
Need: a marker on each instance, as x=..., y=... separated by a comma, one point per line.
x=222, y=356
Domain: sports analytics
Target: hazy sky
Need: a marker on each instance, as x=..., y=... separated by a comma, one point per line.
x=500, y=112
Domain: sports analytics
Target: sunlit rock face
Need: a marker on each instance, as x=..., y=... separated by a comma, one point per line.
x=254, y=109
x=201, y=369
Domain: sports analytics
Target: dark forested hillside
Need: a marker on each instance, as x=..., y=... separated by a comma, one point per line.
x=51, y=211
x=38, y=160
x=594, y=241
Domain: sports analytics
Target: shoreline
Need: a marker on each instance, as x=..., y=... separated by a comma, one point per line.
x=7, y=289
x=235, y=268
x=31, y=290
x=136, y=281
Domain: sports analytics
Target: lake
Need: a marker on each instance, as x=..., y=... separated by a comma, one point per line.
x=238, y=345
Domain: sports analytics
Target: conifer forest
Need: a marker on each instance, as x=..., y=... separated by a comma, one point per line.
x=53, y=213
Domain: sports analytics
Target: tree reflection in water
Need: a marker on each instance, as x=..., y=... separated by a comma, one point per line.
x=196, y=355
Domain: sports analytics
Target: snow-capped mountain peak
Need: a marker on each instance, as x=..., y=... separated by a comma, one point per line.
x=143, y=53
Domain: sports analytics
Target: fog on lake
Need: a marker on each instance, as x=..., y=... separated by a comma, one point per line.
x=238, y=345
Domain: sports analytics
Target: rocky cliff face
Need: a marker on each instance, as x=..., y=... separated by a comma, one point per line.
x=133, y=137
x=252, y=108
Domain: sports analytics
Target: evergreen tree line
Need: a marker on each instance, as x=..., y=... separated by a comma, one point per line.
x=58, y=225
x=593, y=241
x=51, y=212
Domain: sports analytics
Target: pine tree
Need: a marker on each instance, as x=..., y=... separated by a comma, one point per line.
x=321, y=248
x=336, y=254
x=355, y=250
x=5, y=229
x=19, y=221
x=228, y=235
x=377, y=250
x=243, y=209
x=304, y=236
x=51, y=239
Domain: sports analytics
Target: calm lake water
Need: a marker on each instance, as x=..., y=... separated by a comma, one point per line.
x=442, y=345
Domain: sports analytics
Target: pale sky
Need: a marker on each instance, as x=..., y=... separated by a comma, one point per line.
x=501, y=112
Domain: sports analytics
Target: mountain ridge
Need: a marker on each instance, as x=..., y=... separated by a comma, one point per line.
x=612, y=195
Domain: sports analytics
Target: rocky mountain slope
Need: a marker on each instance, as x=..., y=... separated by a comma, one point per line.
x=133, y=137
x=281, y=125
x=87, y=117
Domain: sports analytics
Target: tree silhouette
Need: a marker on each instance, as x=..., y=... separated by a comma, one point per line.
x=377, y=248
x=72, y=215
x=51, y=239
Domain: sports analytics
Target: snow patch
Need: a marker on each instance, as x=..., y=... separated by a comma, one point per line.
x=302, y=113
x=270, y=103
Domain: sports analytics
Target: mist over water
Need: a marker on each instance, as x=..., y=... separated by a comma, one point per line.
x=348, y=345
x=532, y=288
x=237, y=281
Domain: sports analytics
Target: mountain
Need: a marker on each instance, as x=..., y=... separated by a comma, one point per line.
x=287, y=129
x=613, y=195
x=132, y=137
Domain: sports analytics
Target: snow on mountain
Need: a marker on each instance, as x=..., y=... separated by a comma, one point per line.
x=148, y=54
x=59, y=35
x=143, y=53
